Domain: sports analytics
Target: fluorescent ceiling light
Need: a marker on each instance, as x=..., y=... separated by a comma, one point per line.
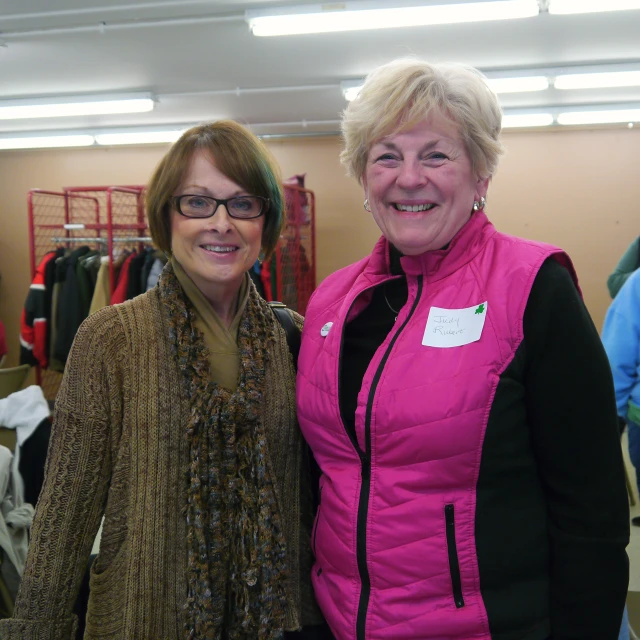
x=519, y=85
x=591, y=6
x=74, y=106
x=604, y=116
x=352, y=93
x=527, y=120
x=597, y=80
x=46, y=142
x=357, y=16
x=351, y=89
x=84, y=138
x=146, y=137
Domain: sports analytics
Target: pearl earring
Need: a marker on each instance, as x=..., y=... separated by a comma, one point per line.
x=479, y=205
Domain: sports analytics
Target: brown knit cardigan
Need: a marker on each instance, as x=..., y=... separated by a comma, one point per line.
x=119, y=448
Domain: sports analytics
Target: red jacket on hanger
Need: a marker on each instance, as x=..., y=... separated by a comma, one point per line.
x=34, y=319
x=120, y=293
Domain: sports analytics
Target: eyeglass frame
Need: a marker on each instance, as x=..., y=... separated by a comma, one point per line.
x=266, y=202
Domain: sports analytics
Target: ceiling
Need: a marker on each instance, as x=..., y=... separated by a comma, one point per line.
x=201, y=62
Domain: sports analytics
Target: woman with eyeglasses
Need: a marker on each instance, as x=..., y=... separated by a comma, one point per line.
x=176, y=422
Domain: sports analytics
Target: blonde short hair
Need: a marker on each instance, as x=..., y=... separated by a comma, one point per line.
x=398, y=95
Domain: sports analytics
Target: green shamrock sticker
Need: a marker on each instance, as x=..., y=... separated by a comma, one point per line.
x=480, y=309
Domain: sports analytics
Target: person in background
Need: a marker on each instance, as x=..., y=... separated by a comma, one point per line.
x=176, y=421
x=621, y=339
x=456, y=396
x=629, y=263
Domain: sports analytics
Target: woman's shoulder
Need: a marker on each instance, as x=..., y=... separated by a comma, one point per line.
x=555, y=275
x=149, y=300
x=117, y=323
x=102, y=322
x=333, y=289
x=99, y=340
x=297, y=318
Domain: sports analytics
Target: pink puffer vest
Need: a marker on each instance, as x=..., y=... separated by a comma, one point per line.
x=394, y=534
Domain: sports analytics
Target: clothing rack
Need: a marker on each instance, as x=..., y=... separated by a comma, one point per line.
x=290, y=275
x=115, y=214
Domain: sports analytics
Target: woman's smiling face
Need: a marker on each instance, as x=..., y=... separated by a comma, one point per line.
x=215, y=252
x=421, y=185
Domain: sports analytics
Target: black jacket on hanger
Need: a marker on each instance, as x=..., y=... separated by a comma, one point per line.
x=70, y=314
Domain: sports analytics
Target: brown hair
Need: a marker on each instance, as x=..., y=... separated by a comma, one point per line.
x=239, y=155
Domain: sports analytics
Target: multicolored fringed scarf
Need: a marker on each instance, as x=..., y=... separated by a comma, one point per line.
x=236, y=548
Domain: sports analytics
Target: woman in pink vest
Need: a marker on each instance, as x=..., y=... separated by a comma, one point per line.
x=456, y=397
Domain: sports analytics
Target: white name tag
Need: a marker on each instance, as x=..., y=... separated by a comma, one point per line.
x=454, y=327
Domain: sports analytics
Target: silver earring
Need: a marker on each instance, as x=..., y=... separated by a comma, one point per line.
x=479, y=205
x=366, y=205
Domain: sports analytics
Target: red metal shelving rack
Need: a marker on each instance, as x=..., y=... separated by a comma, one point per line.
x=101, y=216
x=295, y=255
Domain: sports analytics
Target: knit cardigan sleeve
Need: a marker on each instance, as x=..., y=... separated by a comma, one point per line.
x=77, y=479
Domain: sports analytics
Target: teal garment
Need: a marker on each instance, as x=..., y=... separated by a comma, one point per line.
x=629, y=262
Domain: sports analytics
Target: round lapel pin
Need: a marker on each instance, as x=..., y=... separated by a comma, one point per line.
x=325, y=329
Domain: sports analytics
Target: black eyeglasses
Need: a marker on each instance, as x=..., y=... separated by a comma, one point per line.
x=240, y=207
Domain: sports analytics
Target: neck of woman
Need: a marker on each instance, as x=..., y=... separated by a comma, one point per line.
x=222, y=297
x=225, y=305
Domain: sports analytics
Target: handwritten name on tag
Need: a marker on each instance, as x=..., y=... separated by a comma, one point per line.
x=454, y=327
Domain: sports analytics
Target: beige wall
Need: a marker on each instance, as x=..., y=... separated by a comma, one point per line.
x=577, y=189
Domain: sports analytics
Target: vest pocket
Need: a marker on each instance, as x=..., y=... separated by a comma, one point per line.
x=454, y=565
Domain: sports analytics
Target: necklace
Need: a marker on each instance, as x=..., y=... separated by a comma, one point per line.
x=384, y=293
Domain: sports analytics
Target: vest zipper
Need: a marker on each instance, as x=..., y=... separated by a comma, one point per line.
x=365, y=461
x=454, y=565
x=315, y=526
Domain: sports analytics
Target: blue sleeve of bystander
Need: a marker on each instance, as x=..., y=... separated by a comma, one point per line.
x=621, y=339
